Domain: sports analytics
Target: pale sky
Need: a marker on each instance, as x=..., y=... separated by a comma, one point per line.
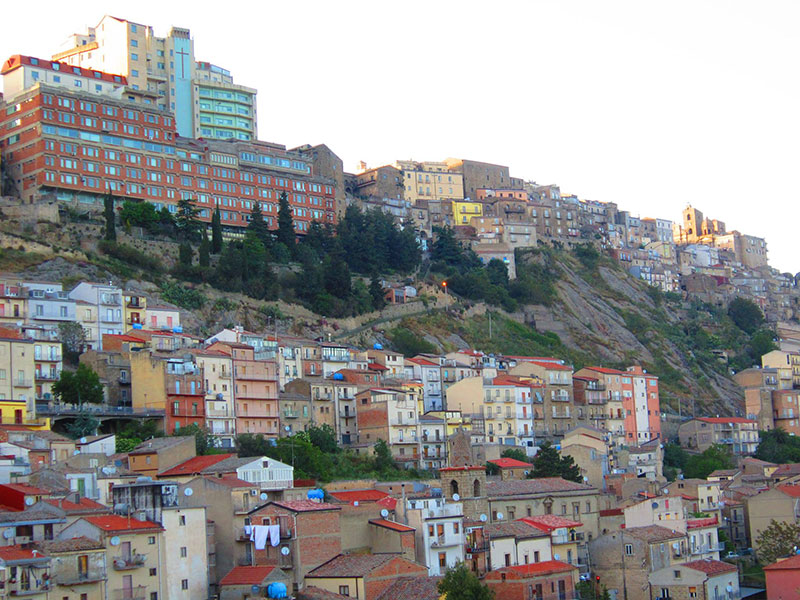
x=651, y=105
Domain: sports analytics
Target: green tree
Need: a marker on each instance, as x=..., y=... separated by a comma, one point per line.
x=125, y=444
x=323, y=437
x=216, y=232
x=549, y=463
x=73, y=337
x=285, y=234
x=185, y=254
x=251, y=444
x=205, y=251
x=516, y=454
x=258, y=226
x=777, y=540
x=497, y=272
x=777, y=446
x=713, y=458
x=79, y=386
x=406, y=342
x=110, y=218
x=186, y=219
x=745, y=314
x=376, y=293
x=82, y=426
x=383, y=457
x=459, y=583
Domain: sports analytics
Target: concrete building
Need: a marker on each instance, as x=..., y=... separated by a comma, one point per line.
x=429, y=181
x=549, y=579
x=737, y=433
x=776, y=504
x=99, y=310
x=439, y=536
x=478, y=175
x=220, y=409
x=699, y=579
x=783, y=578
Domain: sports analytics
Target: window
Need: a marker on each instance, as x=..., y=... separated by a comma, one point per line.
x=677, y=574
x=443, y=560
x=152, y=572
x=628, y=549
x=153, y=595
x=151, y=540
x=182, y=520
x=134, y=43
x=184, y=553
x=184, y=584
x=344, y=590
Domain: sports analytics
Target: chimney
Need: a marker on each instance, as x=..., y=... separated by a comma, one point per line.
x=403, y=507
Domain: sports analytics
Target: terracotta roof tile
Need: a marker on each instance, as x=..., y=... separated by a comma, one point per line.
x=305, y=505
x=534, y=486
x=394, y=526
x=700, y=523
x=118, y=523
x=413, y=588
x=653, y=533
x=246, y=575
x=550, y=522
x=83, y=505
x=352, y=565
x=510, y=463
x=546, y=567
x=311, y=592
x=77, y=544
x=725, y=420
x=12, y=553
x=358, y=495
x=194, y=465
x=710, y=567
x=792, y=562
x=515, y=529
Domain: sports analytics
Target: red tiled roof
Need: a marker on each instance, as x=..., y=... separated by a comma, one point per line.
x=231, y=481
x=305, y=505
x=698, y=523
x=550, y=522
x=377, y=367
x=521, y=487
x=84, y=504
x=423, y=361
x=413, y=588
x=605, y=370
x=391, y=525
x=118, y=523
x=725, y=420
x=247, y=575
x=510, y=463
x=9, y=553
x=388, y=502
x=551, y=366
x=792, y=562
x=541, y=568
x=194, y=465
x=358, y=495
x=18, y=60
x=787, y=470
x=351, y=565
x=465, y=468
x=710, y=567
x=790, y=489
x=28, y=490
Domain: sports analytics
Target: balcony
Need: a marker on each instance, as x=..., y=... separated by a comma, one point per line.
x=706, y=548
x=135, y=593
x=28, y=589
x=562, y=416
x=346, y=414
x=441, y=541
x=287, y=414
x=124, y=563
x=42, y=376
x=23, y=383
x=76, y=578
x=109, y=300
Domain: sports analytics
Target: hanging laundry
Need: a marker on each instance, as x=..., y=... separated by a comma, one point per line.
x=248, y=530
x=274, y=535
x=259, y=537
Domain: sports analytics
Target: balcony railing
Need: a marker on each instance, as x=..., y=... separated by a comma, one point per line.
x=135, y=593
x=42, y=376
x=134, y=561
x=28, y=589
x=705, y=548
x=22, y=383
x=96, y=574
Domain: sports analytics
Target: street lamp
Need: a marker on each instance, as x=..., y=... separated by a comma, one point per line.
x=444, y=287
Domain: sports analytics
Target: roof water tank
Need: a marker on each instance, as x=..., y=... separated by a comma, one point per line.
x=276, y=589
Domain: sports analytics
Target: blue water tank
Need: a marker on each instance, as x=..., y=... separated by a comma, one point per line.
x=177, y=330
x=137, y=325
x=338, y=376
x=378, y=346
x=276, y=589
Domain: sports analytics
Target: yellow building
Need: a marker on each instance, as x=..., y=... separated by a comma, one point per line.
x=17, y=371
x=465, y=210
x=77, y=568
x=12, y=303
x=135, y=308
x=430, y=181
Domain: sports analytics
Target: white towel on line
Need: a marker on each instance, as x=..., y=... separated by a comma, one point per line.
x=259, y=537
x=274, y=535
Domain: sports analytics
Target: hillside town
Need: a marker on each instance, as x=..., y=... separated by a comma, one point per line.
x=541, y=479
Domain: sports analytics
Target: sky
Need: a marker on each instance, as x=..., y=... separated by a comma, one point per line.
x=652, y=105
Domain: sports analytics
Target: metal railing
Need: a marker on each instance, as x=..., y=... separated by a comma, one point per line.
x=134, y=561
x=135, y=593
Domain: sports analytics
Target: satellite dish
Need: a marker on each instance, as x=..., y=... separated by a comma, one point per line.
x=499, y=516
x=76, y=452
x=83, y=440
x=287, y=428
x=556, y=557
x=263, y=496
x=355, y=503
x=456, y=497
x=484, y=518
x=254, y=588
x=114, y=540
x=117, y=463
x=29, y=501
x=8, y=534
x=285, y=551
x=655, y=505
x=188, y=492
x=384, y=513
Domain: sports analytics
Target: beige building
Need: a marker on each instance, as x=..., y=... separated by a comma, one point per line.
x=778, y=503
x=696, y=579
x=217, y=370
x=17, y=378
x=737, y=433
x=429, y=181
x=478, y=175
x=787, y=364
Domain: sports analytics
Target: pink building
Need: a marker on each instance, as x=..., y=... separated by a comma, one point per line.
x=783, y=578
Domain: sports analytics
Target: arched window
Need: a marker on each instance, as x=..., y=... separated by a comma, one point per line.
x=476, y=488
x=453, y=487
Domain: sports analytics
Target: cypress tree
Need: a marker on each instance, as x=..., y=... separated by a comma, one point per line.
x=185, y=254
x=286, y=234
x=205, y=250
x=108, y=212
x=216, y=232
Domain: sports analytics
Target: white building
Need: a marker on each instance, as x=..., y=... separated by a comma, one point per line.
x=440, y=539
x=99, y=310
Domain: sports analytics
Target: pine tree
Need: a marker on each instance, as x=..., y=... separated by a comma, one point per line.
x=286, y=234
x=186, y=219
x=216, y=232
x=376, y=292
x=205, y=249
x=259, y=227
x=108, y=213
x=185, y=254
